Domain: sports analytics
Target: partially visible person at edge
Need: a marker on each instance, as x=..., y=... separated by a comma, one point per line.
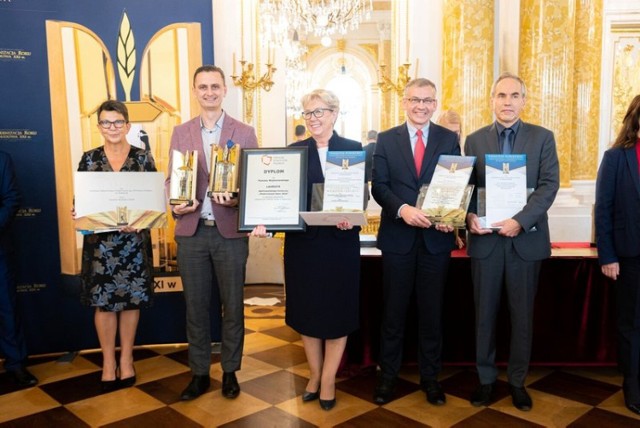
x=210, y=249
x=617, y=221
x=322, y=264
x=509, y=258
x=415, y=252
x=369, y=148
x=300, y=132
x=12, y=343
x=450, y=119
x=117, y=267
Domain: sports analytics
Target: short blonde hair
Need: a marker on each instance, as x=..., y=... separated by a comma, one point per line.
x=329, y=98
x=449, y=116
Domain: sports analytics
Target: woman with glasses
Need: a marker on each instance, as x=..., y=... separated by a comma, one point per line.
x=117, y=266
x=322, y=264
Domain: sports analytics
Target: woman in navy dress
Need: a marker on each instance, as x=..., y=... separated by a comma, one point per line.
x=617, y=219
x=117, y=266
x=322, y=264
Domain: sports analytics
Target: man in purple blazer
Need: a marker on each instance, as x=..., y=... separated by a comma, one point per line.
x=207, y=238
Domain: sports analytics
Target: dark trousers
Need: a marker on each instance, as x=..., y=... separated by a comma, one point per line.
x=520, y=279
x=200, y=257
x=403, y=274
x=628, y=322
x=12, y=343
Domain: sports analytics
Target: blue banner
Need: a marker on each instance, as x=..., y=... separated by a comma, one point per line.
x=53, y=317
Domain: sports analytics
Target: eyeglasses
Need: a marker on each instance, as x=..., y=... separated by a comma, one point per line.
x=317, y=113
x=414, y=101
x=106, y=124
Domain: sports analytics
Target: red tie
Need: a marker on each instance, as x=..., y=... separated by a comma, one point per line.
x=418, y=152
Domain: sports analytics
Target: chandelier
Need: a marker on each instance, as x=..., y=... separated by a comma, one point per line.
x=319, y=17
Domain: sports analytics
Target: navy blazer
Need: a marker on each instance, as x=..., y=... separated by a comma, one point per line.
x=395, y=182
x=617, y=211
x=543, y=175
x=9, y=199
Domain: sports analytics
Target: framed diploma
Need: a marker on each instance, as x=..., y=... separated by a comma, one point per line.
x=446, y=199
x=184, y=171
x=273, y=188
x=105, y=201
x=225, y=162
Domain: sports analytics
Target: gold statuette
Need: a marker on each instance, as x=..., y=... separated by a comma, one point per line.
x=224, y=171
x=183, y=177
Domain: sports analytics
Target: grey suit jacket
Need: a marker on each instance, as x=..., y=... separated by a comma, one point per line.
x=543, y=175
x=188, y=136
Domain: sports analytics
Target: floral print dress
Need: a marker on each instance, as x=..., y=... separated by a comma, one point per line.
x=117, y=268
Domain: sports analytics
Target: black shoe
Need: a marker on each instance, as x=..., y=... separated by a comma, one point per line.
x=483, y=395
x=434, y=392
x=310, y=396
x=198, y=386
x=635, y=408
x=521, y=399
x=230, y=387
x=109, y=385
x=23, y=377
x=128, y=382
x=327, y=404
x=384, y=390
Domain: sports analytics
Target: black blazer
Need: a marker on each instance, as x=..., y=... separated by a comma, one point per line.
x=9, y=199
x=617, y=211
x=395, y=182
x=543, y=175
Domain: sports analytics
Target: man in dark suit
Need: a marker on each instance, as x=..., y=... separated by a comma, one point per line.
x=369, y=149
x=513, y=254
x=415, y=253
x=12, y=344
x=207, y=238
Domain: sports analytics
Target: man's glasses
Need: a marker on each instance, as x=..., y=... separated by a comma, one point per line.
x=317, y=113
x=414, y=101
x=106, y=124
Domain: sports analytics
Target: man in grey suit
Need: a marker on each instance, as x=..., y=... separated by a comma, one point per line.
x=510, y=256
x=208, y=241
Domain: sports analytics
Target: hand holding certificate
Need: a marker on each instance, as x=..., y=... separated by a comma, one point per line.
x=343, y=194
x=106, y=201
x=445, y=200
x=506, y=186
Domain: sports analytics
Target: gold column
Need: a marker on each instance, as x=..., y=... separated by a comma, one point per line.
x=547, y=38
x=468, y=60
x=586, y=95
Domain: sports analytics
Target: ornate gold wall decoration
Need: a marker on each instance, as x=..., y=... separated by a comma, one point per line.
x=547, y=38
x=586, y=92
x=467, y=72
x=626, y=79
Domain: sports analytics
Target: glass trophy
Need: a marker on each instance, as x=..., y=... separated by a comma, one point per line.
x=224, y=171
x=183, y=177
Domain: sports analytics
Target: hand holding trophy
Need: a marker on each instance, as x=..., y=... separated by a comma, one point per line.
x=223, y=180
x=183, y=177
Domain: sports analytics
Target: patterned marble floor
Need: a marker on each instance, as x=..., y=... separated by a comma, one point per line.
x=273, y=378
